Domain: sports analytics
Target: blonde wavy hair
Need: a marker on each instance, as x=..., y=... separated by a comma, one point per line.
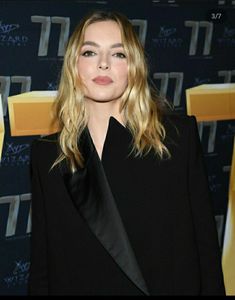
x=142, y=107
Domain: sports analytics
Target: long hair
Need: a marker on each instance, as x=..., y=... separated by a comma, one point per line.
x=142, y=107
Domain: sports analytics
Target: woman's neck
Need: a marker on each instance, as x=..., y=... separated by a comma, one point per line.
x=99, y=114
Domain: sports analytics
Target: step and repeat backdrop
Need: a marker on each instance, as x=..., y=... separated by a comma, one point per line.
x=188, y=43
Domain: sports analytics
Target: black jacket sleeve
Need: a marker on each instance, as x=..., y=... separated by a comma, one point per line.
x=38, y=283
x=203, y=217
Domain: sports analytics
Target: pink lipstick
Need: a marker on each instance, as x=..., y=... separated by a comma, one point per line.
x=102, y=80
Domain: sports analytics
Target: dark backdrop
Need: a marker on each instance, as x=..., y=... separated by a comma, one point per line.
x=176, y=63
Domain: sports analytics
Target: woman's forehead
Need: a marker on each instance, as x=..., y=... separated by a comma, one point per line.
x=103, y=30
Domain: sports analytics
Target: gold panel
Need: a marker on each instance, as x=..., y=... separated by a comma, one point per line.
x=31, y=113
x=209, y=102
x=2, y=130
x=214, y=102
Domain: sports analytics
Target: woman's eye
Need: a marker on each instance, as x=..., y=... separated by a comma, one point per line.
x=120, y=55
x=88, y=53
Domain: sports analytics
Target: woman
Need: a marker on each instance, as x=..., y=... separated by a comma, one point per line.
x=121, y=204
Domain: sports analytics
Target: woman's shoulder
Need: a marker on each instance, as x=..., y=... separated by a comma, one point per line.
x=46, y=141
x=180, y=122
x=45, y=147
x=178, y=119
x=179, y=127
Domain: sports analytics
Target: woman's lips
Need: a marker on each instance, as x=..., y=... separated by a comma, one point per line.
x=102, y=80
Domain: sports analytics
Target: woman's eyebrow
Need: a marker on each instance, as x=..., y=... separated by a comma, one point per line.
x=117, y=45
x=90, y=43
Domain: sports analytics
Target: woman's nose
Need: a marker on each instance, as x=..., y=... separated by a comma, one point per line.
x=103, y=66
x=104, y=63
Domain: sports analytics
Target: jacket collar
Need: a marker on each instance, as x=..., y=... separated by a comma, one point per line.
x=92, y=196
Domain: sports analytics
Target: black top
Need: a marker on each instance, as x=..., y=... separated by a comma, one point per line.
x=125, y=225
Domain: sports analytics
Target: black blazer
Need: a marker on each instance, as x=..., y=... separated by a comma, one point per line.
x=124, y=225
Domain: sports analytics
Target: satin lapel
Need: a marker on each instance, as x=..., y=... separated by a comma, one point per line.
x=92, y=196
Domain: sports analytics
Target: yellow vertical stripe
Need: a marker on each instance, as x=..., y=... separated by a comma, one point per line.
x=213, y=102
x=228, y=259
x=1, y=128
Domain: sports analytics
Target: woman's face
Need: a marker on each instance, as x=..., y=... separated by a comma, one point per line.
x=102, y=64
